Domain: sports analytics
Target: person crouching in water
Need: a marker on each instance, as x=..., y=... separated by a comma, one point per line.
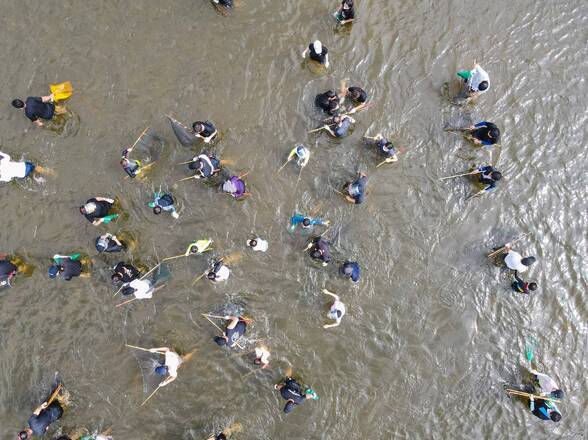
x=291, y=392
x=235, y=186
x=163, y=202
x=68, y=266
x=37, y=108
x=96, y=210
x=317, y=52
x=205, y=166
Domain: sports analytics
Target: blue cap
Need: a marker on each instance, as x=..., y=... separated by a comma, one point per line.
x=53, y=271
x=161, y=370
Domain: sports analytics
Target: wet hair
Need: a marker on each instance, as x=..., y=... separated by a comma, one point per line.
x=115, y=278
x=161, y=370
x=555, y=416
x=17, y=103
x=532, y=286
x=496, y=175
x=483, y=85
x=557, y=394
x=253, y=243
x=527, y=261
x=220, y=340
x=306, y=221
x=194, y=165
x=157, y=210
x=288, y=407
x=211, y=275
x=494, y=133
x=23, y=435
x=348, y=3
x=197, y=127
x=316, y=254
x=330, y=94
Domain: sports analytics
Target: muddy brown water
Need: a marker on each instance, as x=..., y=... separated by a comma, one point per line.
x=432, y=330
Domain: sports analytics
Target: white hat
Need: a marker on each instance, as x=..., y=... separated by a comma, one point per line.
x=318, y=46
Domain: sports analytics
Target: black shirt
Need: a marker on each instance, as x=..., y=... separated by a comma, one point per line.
x=481, y=133
x=321, y=58
x=128, y=272
x=234, y=334
x=71, y=268
x=6, y=269
x=347, y=14
x=35, y=108
x=327, y=105
x=208, y=129
x=102, y=208
x=362, y=95
x=323, y=246
x=39, y=424
x=111, y=245
x=292, y=391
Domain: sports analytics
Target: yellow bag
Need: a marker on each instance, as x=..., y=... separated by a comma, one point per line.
x=61, y=91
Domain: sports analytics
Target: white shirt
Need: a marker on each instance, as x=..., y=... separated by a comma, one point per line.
x=222, y=274
x=513, y=261
x=172, y=362
x=143, y=289
x=546, y=383
x=10, y=170
x=262, y=354
x=261, y=246
x=337, y=306
x=478, y=75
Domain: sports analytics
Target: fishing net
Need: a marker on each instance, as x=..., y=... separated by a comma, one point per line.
x=148, y=362
x=184, y=134
x=161, y=274
x=149, y=147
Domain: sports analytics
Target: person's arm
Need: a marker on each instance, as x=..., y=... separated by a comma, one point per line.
x=393, y=158
x=159, y=350
x=97, y=221
x=520, y=281
x=40, y=408
x=331, y=132
x=209, y=138
x=38, y=123
x=326, y=292
x=48, y=98
x=234, y=321
x=305, y=52
x=327, y=61
x=116, y=240
x=357, y=108
x=350, y=199
x=168, y=380
x=531, y=404
x=336, y=324
x=104, y=199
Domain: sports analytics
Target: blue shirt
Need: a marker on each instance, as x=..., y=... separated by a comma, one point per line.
x=35, y=108
x=341, y=130
x=299, y=218
x=357, y=189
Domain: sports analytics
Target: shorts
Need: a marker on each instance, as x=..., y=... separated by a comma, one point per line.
x=29, y=168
